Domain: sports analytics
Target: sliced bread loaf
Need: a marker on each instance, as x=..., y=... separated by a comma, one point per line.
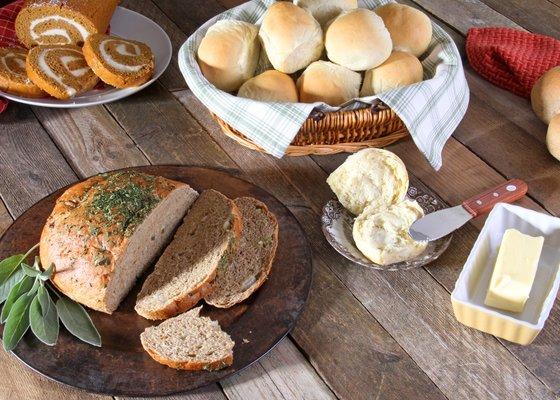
x=104, y=232
x=186, y=269
x=252, y=261
x=189, y=342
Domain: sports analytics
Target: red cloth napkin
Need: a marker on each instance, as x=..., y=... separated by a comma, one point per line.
x=8, y=37
x=511, y=58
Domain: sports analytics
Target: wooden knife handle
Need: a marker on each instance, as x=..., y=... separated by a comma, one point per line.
x=507, y=192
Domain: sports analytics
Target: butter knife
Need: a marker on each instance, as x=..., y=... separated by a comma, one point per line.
x=441, y=223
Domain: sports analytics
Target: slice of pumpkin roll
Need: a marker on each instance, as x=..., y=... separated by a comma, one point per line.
x=61, y=71
x=13, y=76
x=119, y=62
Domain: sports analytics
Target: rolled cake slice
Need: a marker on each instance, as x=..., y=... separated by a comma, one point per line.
x=61, y=71
x=119, y=62
x=42, y=22
x=13, y=76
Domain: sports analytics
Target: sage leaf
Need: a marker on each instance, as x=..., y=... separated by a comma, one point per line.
x=7, y=286
x=77, y=321
x=17, y=322
x=9, y=265
x=17, y=291
x=47, y=274
x=43, y=317
x=27, y=270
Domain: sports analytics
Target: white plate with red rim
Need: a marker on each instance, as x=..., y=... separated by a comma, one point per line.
x=128, y=25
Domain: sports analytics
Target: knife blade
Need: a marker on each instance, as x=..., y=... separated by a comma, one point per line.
x=441, y=223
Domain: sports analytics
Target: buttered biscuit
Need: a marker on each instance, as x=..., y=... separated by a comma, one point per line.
x=373, y=177
x=382, y=235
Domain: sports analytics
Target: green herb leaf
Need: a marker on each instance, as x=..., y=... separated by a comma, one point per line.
x=17, y=291
x=43, y=317
x=27, y=270
x=47, y=274
x=77, y=321
x=17, y=323
x=7, y=286
x=9, y=265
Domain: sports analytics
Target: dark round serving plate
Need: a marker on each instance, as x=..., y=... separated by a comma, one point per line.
x=121, y=366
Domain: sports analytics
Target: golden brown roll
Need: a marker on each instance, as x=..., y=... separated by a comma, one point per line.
x=358, y=40
x=545, y=96
x=400, y=69
x=327, y=82
x=229, y=53
x=270, y=86
x=42, y=22
x=553, y=137
x=325, y=10
x=292, y=38
x=411, y=29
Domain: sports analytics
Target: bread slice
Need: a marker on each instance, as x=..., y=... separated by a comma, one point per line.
x=189, y=342
x=183, y=274
x=251, y=264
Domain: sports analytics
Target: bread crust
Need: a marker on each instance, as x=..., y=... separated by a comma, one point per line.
x=187, y=301
x=189, y=365
x=73, y=247
x=265, y=271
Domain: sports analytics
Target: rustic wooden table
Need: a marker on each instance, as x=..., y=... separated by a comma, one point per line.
x=364, y=334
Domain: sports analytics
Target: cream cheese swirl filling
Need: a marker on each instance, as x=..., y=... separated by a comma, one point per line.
x=65, y=61
x=42, y=37
x=129, y=51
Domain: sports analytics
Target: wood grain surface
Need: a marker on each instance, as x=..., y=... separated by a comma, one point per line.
x=364, y=334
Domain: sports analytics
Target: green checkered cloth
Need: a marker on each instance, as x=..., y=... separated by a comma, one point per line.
x=431, y=110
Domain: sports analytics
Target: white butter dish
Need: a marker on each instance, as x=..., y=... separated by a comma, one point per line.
x=471, y=287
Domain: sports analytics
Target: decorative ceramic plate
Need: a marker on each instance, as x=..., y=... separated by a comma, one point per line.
x=129, y=25
x=121, y=367
x=337, y=224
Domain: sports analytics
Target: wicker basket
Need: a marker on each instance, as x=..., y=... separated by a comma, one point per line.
x=337, y=132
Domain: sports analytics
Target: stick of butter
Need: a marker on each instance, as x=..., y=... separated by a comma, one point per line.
x=514, y=271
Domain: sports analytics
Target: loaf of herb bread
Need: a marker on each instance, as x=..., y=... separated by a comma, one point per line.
x=104, y=232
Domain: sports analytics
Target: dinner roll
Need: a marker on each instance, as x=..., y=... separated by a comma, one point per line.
x=229, y=53
x=325, y=10
x=545, y=96
x=553, y=137
x=371, y=177
x=411, y=29
x=292, y=38
x=358, y=40
x=270, y=86
x=329, y=83
x=382, y=234
x=400, y=69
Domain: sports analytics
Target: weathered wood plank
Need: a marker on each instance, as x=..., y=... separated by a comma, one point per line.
x=283, y=374
x=31, y=165
x=536, y=16
x=90, y=139
x=189, y=14
x=212, y=392
x=172, y=79
x=5, y=218
x=159, y=126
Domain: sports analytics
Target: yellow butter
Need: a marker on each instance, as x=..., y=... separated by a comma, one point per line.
x=514, y=271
